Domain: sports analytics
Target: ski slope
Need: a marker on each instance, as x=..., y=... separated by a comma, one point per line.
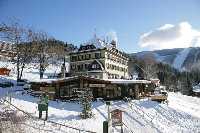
x=180, y=58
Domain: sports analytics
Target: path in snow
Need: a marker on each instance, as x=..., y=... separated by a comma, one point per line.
x=149, y=116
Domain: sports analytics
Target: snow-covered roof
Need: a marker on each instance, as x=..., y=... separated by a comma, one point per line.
x=117, y=108
x=126, y=81
x=115, y=81
x=154, y=79
x=98, y=43
x=44, y=80
x=51, y=80
x=7, y=46
x=196, y=88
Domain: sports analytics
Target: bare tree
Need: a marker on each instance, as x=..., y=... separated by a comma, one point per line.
x=41, y=43
x=148, y=66
x=27, y=50
x=20, y=38
x=31, y=45
x=55, y=53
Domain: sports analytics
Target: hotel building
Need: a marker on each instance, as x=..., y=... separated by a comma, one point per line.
x=98, y=59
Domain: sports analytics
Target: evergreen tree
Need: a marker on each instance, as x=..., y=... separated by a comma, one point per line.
x=86, y=99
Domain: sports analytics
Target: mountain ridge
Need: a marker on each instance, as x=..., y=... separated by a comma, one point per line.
x=183, y=59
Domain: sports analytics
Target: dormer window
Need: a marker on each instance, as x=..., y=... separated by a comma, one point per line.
x=95, y=66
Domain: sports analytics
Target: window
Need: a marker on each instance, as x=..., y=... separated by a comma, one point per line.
x=117, y=60
x=73, y=58
x=83, y=57
x=97, y=76
x=95, y=66
x=80, y=67
x=108, y=66
x=108, y=56
x=65, y=91
x=73, y=67
x=87, y=56
x=118, y=68
x=113, y=67
x=100, y=92
x=97, y=55
x=86, y=66
x=79, y=57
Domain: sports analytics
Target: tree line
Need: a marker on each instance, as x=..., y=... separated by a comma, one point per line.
x=173, y=79
x=33, y=46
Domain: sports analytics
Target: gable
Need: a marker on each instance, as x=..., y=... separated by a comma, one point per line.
x=96, y=65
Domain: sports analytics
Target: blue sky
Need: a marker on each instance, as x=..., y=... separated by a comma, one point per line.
x=75, y=21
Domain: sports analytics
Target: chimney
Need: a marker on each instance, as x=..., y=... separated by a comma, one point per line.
x=114, y=43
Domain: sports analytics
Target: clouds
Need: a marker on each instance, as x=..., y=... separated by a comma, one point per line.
x=171, y=36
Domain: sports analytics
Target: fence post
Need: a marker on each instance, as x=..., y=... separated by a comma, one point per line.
x=105, y=127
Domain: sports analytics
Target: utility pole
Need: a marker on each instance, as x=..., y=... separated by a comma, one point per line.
x=107, y=125
x=64, y=68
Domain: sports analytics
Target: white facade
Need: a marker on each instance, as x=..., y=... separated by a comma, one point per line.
x=99, y=62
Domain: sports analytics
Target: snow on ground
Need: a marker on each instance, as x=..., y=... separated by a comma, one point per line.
x=184, y=103
x=159, y=57
x=179, y=60
x=181, y=115
x=31, y=71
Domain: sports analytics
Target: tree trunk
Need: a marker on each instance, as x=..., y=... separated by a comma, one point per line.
x=64, y=71
x=41, y=75
x=41, y=71
x=22, y=69
x=18, y=69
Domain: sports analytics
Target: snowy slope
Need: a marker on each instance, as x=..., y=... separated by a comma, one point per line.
x=181, y=115
x=180, y=58
x=31, y=71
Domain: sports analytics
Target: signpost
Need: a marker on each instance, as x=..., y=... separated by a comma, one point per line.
x=114, y=119
x=108, y=124
x=43, y=106
x=116, y=116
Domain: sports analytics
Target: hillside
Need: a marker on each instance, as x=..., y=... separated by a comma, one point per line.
x=31, y=71
x=179, y=58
